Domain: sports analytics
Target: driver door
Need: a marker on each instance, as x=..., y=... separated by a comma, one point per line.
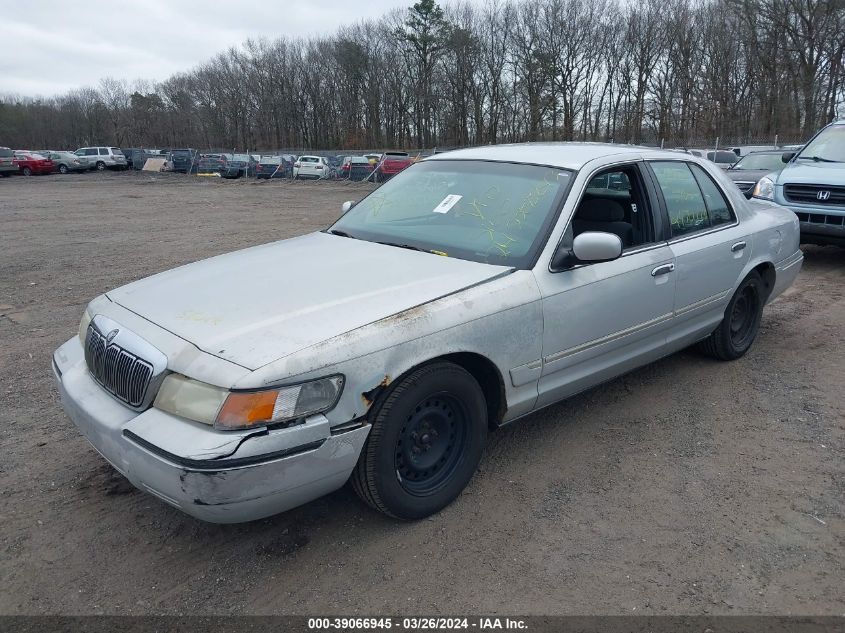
x=603, y=319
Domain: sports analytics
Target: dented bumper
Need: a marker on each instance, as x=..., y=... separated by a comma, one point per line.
x=221, y=477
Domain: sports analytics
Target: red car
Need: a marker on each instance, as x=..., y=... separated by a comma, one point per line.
x=30, y=163
x=392, y=163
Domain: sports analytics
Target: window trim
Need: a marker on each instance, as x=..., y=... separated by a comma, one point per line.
x=671, y=239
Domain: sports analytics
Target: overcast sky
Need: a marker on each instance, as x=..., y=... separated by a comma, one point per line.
x=52, y=46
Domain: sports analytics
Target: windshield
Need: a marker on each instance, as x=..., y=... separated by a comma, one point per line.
x=829, y=145
x=497, y=213
x=763, y=162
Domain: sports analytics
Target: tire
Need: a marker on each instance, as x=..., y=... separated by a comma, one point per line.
x=100, y=166
x=425, y=443
x=738, y=329
x=26, y=171
x=62, y=169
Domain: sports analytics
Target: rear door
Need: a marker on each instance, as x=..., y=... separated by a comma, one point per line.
x=710, y=247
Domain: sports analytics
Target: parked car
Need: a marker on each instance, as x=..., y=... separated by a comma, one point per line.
x=724, y=158
x=392, y=163
x=356, y=168
x=812, y=184
x=273, y=167
x=31, y=164
x=752, y=167
x=311, y=167
x=238, y=166
x=384, y=348
x=65, y=162
x=210, y=164
x=183, y=161
x=101, y=158
x=373, y=158
x=7, y=164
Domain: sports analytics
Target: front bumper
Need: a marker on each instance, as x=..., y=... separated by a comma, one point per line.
x=819, y=225
x=257, y=475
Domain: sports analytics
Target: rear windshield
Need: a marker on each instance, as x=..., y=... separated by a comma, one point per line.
x=5, y=152
x=309, y=159
x=722, y=157
x=271, y=160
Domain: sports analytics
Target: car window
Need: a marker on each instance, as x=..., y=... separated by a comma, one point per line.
x=684, y=201
x=717, y=206
x=116, y=151
x=615, y=202
x=103, y=151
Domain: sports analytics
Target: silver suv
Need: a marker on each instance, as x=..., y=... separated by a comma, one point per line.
x=812, y=185
x=101, y=158
x=7, y=167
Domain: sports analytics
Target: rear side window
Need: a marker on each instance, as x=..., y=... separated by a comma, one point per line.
x=684, y=201
x=116, y=151
x=717, y=207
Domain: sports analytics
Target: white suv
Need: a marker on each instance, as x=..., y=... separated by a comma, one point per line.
x=100, y=158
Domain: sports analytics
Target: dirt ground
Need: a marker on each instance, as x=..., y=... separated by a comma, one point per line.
x=687, y=487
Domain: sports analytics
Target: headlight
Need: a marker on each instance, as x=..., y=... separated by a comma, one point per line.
x=245, y=409
x=765, y=188
x=83, y=325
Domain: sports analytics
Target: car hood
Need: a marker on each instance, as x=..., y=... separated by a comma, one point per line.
x=747, y=175
x=254, y=306
x=809, y=172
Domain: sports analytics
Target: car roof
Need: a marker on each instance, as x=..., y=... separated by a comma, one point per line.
x=562, y=155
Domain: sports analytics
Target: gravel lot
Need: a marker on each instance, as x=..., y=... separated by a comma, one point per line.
x=688, y=486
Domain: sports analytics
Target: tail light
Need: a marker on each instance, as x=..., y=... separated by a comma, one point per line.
x=319, y=166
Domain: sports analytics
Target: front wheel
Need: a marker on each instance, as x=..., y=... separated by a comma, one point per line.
x=425, y=444
x=739, y=327
x=62, y=169
x=26, y=171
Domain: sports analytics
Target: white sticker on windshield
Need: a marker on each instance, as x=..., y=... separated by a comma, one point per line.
x=447, y=203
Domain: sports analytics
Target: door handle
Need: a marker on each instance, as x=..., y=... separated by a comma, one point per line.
x=737, y=247
x=665, y=269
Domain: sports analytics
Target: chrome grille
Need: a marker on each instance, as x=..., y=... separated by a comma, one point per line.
x=123, y=374
x=809, y=194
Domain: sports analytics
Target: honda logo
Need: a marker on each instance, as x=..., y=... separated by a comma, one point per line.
x=823, y=195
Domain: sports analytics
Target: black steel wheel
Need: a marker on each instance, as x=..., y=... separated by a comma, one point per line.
x=426, y=440
x=739, y=327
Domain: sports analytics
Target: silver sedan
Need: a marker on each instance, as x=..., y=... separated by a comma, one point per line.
x=473, y=288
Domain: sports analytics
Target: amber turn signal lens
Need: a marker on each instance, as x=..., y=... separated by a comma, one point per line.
x=247, y=409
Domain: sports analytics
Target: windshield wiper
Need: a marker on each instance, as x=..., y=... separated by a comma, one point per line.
x=408, y=246
x=341, y=234
x=818, y=159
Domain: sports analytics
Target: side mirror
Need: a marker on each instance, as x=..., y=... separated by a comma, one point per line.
x=347, y=205
x=587, y=248
x=593, y=246
x=787, y=156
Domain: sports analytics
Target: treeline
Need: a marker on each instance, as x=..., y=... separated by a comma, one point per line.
x=467, y=74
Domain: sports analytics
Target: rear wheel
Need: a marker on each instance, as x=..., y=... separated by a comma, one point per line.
x=100, y=165
x=739, y=327
x=425, y=444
